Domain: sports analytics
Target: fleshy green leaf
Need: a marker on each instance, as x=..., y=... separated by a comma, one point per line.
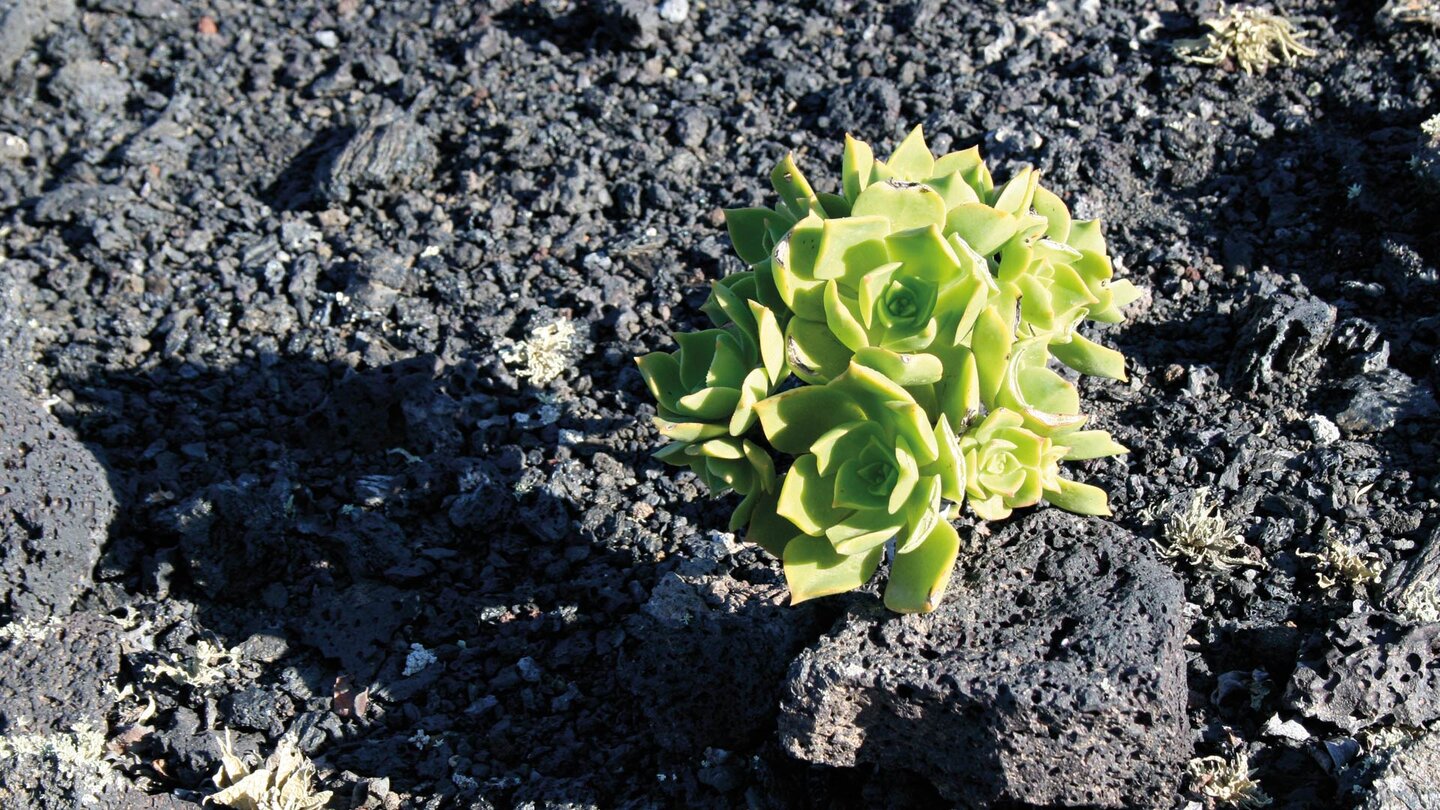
x=806, y=499
x=1053, y=209
x=863, y=530
x=1090, y=358
x=850, y=248
x=953, y=190
x=991, y=344
x=772, y=341
x=1082, y=499
x=967, y=160
x=918, y=578
x=1085, y=235
x=841, y=318
x=755, y=388
x=912, y=160
x=688, y=431
x=767, y=528
x=904, y=369
x=925, y=254
x=750, y=232
x=855, y=170
x=905, y=205
x=813, y=352
x=1088, y=444
x=844, y=442
x=793, y=269
x=983, y=228
x=950, y=465
x=834, y=205
x=1016, y=195
x=793, y=420
x=813, y=568
x=794, y=189
x=661, y=372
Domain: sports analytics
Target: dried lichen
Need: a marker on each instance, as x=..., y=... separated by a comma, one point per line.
x=286, y=781
x=77, y=756
x=29, y=631
x=1197, y=533
x=1222, y=782
x=1338, y=564
x=1252, y=38
x=205, y=668
x=1420, y=602
x=546, y=354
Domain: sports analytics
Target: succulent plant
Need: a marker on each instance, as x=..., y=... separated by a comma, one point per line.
x=919, y=308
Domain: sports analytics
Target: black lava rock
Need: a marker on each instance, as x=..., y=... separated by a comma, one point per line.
x=1059, y=651
x=55, y=510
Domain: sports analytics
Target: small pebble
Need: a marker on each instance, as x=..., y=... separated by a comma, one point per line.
x=1323, y=430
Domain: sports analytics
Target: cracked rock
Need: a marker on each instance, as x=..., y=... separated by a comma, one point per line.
x=1370, y=670
x=392, y=151
x=1051, y=675
x=1281, y=342
x=1381, y=399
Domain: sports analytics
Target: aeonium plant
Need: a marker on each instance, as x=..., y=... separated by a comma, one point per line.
x=885, y=360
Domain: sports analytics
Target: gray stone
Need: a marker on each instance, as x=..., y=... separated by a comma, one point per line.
x=1381, y=399
x=691, y=126
x=1410, y=586
x=1370, y=669
x=392, y=151
x=89, y=87
x=57, y=673
x=258, y=709
x=1280, y=343
x=1052, y=674
x=55, y=510
x=1408, y=778
x=22, y=22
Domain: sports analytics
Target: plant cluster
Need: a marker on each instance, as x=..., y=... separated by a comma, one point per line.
x=1198, y=534
x=894, y=339
x=1225, y=782
x=1338, y=565
x=1252, y=38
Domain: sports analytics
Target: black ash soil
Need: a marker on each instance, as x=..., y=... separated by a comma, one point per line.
x=265, y=261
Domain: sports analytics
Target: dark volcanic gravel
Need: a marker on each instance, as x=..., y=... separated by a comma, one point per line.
x=274, y=264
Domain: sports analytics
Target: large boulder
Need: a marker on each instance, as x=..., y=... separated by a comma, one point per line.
x=1052, y=674
x=55, y=509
